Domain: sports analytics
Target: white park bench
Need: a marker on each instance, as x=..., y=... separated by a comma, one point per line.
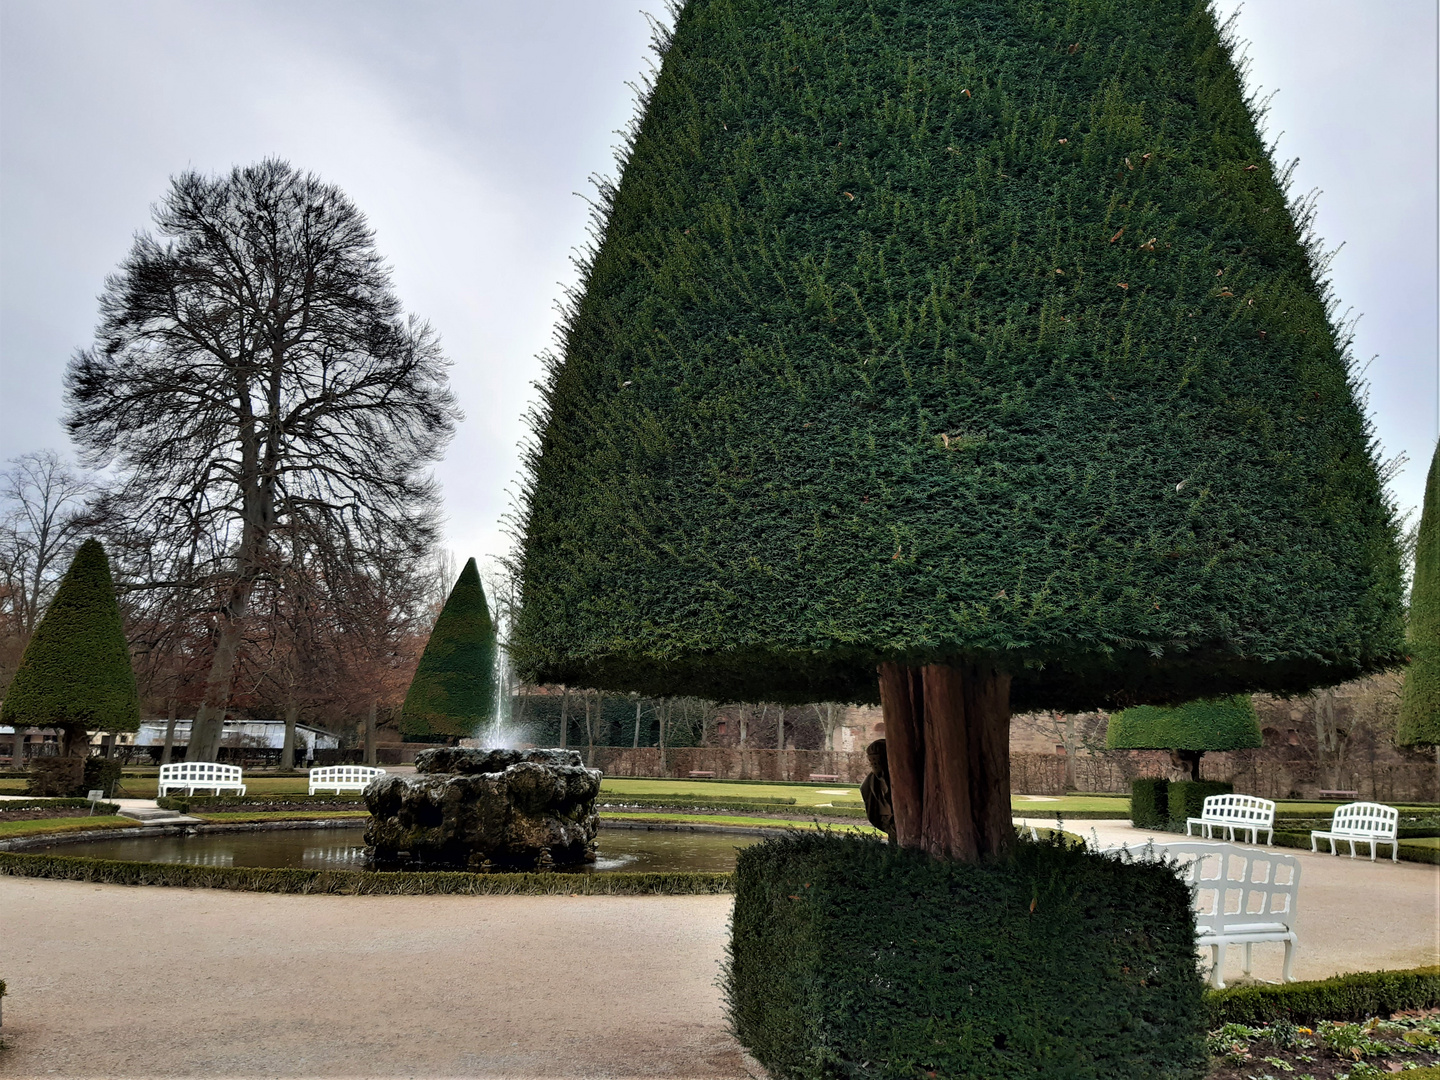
x=1361, y=822
x=340, y=778
x=200, y=774
x=1246, y=813
x=1242, y=896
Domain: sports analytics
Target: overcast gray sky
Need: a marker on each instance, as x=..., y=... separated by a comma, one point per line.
x=464, y=129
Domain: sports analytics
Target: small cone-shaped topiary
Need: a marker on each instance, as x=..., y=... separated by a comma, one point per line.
x=453, y=692
x=1190, y=730
x=971, y=341
x=1420, y=701
x=76, y=671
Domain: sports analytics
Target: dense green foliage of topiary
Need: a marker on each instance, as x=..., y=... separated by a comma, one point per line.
x=453, y=692
x=1419, y=723
x=76, y=670
x=968, y=329
x=1344, y=997
x=1210, y=724
x=1053, y=963
x=1186, y=798
x=1150, y=802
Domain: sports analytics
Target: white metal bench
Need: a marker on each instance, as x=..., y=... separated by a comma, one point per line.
x=340, y=778
x=1233, y=813
x=200, y=774
x=1363, y=823
x=1242, y=896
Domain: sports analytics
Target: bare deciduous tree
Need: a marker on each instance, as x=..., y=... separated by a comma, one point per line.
x=253, y=377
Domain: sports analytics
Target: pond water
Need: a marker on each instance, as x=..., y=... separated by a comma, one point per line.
x=632, y=850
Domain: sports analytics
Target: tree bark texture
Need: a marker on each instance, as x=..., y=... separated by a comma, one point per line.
x=564, y=716
x=287, y=751
x=169, y=749
x=370, y=734
x=947, y=738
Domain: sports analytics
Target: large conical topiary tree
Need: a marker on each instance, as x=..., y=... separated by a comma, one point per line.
x=1190, y=730
x=970, y=343
x=75, y=674
x=453, y=692
x=1420, y=700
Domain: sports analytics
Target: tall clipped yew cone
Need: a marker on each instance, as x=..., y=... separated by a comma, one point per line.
x=76, y=674
x=972, y=344
x=453, y=692
x=1190, y=730
x=1420, y=701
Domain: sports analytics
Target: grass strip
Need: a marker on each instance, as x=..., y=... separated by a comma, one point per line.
x=359, y=882
x=1344, y=997
x=69, y=824
x=240, y=818
x=721, y=819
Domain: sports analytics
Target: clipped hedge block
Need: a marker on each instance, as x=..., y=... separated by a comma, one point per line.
x=1344, y=997
x=1186, y=798
x=850, y=957
x=1149, y=802
x=56, y=777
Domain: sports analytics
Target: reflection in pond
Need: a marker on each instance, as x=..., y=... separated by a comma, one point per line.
x=632, y=850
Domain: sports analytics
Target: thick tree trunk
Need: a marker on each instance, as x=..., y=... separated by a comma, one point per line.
x=1191, y=758
x=947, y=739
x=169, y=749
x=564, y=716
x=208, y=728
x=287, y=750
x=636, y=745
x=370, y=735
x=780, y=745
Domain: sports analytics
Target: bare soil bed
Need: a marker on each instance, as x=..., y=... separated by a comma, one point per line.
x=45, y=812
x=1330, y=1050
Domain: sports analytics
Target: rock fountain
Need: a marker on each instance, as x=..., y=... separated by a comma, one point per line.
x=479, y=809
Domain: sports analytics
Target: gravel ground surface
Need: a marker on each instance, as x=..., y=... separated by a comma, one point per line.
x=123, y=982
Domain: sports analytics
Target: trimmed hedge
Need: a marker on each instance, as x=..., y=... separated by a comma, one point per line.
x=217, y=803
x=453, y=691
x=852, y=957
x=1186, y=798
x=1421, y=853
x=1344, y=997
x=1419, y=723
x=1149, y=802
x=357, y=882
x=58, y=804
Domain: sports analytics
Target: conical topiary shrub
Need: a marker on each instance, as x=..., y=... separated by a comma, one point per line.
x=1190, y=730
x=1419, y=723
x=974, y=342
x=75, y=674
x=453, y=692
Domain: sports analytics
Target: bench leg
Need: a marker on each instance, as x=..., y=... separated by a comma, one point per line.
x=1395, y=850
x=1217, y=969
x=1287, y=973
x=1245, y=967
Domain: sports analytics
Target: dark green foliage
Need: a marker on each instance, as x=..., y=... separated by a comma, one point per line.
x=1186, y=798
x=1209, y=724
x=102, y=774
x=1420, y=853
x=453, y=692
x=215, y=804
x=1419, y=723
x=59, y=804
x=357, y=882
x=967, y=329
x=849, y=957
x=1344, y=997
x=1150, y=802
x=76, y=670
x=62, y=777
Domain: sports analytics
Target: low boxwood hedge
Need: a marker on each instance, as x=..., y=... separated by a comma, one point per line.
x=609, y=798
x=217, y=803
x=1149, y=802
x=1344, y=997
x=357, y=882
x=849, y=957
x=1408, y=852
x=58, y=804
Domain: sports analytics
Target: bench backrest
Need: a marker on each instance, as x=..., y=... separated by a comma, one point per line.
x=1238, y=885
x=344, y=774
x=199, y=773
x=1240, y=809
x=1367, y=818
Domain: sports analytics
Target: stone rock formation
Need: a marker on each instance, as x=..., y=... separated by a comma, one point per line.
x=483, y=809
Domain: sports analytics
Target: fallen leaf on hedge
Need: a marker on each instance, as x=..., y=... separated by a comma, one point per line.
x=1118, y=234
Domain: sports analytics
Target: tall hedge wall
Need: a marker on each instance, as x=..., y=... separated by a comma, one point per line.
x=853, y=958
x=966, y=329
x=1419, y=722
x=76, y=671
x=453, y=692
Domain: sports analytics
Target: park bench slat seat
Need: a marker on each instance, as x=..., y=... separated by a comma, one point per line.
x=200, y=774
x=1241, y=896
x=1243, y=813
x=698, y=774
x=1364, y=823
x=340, y=778
x=832, y=777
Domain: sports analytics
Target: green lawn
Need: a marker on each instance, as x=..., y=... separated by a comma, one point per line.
x=720, y=819
x=70, y=824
